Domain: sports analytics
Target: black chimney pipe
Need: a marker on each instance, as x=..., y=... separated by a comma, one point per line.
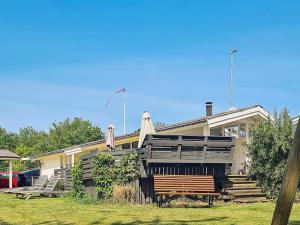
x=209, y=108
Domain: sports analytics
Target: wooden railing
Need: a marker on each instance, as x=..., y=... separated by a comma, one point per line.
x=88, y=165
x=187, y=149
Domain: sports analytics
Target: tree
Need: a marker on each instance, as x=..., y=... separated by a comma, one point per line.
x=7, y=139
x=73, y=132
x=270, y=144
x=29, y=142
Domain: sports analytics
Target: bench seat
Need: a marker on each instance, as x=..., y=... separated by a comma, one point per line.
x=185, y=185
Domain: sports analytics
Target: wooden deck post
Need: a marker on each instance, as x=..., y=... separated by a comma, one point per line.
x=179, y=148
x=289, y=183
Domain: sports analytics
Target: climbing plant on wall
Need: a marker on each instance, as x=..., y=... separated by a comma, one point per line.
x=77, y=189
x=125, y=172
x=103, y=175
x=107, y=173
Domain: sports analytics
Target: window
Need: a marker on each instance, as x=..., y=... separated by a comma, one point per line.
x=242, y=133
x=126, y=146
x=118, y=147
x=231, y=131
x=135, y=144
x=216, y=131
x=238, y=131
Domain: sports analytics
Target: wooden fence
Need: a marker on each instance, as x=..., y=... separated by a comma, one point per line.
x=88, y=165
x=66, y=176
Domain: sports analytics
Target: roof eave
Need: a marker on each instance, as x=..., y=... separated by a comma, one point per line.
x=9, y=158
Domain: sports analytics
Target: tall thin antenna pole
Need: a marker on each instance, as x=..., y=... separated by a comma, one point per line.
x=124, y=113
x=231, y=52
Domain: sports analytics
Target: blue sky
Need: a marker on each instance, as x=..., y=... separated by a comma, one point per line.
x=62, y=59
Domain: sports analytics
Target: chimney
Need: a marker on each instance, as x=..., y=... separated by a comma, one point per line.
x=208, y=108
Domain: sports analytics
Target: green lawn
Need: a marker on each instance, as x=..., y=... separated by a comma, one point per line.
x=67, y=211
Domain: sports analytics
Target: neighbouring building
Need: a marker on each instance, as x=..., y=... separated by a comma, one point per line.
x=295, y=120
x=231, y=123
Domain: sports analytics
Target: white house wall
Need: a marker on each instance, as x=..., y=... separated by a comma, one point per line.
x=49, y=164
x=239, y=155
x=295, y=120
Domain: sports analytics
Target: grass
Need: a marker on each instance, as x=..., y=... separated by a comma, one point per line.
x=67, y=211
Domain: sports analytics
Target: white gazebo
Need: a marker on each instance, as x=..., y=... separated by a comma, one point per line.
x=10, y=157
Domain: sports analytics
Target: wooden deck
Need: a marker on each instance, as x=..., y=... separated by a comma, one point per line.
x=168, y=155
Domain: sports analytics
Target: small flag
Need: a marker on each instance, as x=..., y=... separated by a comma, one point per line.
x=109, y=100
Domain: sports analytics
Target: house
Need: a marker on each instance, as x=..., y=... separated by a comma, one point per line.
x=295, y=120
x=230, y=123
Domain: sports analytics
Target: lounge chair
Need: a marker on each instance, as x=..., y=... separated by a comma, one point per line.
x=48, y=191
x=38, y=186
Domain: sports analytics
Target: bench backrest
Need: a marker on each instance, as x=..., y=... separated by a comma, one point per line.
x=184, y=183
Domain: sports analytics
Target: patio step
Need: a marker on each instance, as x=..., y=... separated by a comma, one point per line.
x=237, y=176
x=244, y=195
x=233, y=178
x=244, y=190
x=243, y=185
x=250, y=200
x=240, y=189
x=242, y=182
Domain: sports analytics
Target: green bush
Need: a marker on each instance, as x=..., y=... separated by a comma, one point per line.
x=269, y=148
x=77, y=189
x=60, y=185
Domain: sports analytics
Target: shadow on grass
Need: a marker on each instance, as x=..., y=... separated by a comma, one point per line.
x=54, y=222
x=170, y=222
x=294, y=222
x=185, y=207
x=5, y=223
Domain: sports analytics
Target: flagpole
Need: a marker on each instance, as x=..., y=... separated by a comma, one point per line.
x=124, y=106
x=232, y=51
x=124, y=112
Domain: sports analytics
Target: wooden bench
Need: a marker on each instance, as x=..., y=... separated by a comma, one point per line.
x=185, y=185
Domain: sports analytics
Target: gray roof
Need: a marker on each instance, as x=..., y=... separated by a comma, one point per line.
x=204, y=118
x=168, y=127
x=6, y=154
x=85, y=144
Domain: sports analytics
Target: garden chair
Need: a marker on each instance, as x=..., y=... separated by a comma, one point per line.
x=39, y=185
x=48, y=191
